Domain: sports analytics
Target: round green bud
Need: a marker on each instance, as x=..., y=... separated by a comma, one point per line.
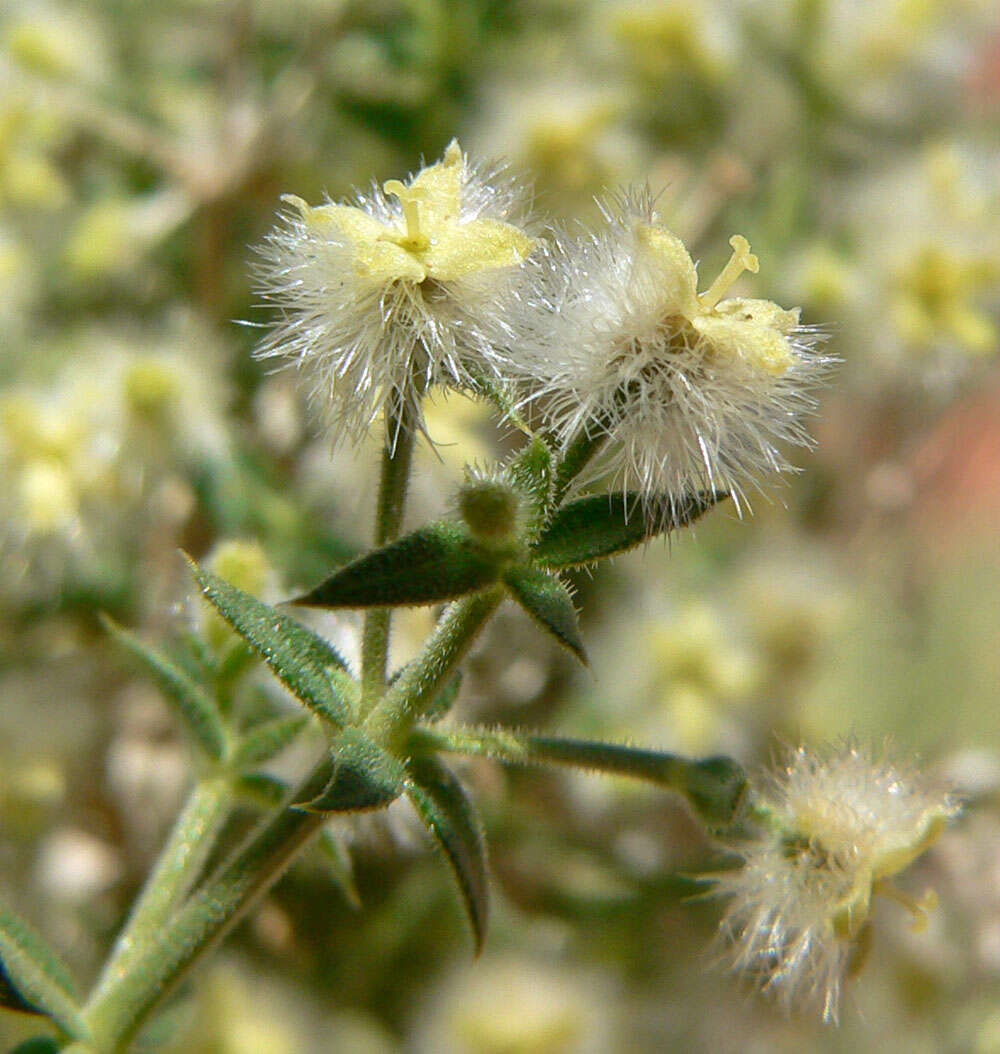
x=490, y=509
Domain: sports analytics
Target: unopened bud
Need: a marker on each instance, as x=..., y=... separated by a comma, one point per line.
x=490, y=509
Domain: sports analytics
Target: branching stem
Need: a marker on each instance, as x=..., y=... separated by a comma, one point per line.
x=116, y=1013
x=421, y=681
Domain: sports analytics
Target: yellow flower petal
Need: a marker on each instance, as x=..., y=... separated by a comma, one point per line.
x=680, y=280
x=354, y=224
x=458, y=250
x=759, y=345
x=438, y=188
x=385, y=262
x=893, y=857
x=377, y=256
x=435, y=243
x=761, y=312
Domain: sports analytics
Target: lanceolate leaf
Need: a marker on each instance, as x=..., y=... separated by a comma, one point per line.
x=602, y=525
x=32, y=979
x=192, y=703
x=302, y=660
x=714, y=787
x=364, y=777
x=546, y=599
x=531, y=472
x=453, y=821
x=11, y=998
x=437, y=562
x=37, y=1045
x=263, y=741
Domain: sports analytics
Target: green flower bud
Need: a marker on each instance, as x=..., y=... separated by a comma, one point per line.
x=490, y=508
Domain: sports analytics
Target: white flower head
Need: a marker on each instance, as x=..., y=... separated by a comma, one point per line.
x=384, y=297
x=834, y=828
x=691, y=390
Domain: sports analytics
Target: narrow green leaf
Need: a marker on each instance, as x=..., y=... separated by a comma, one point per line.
x=190, y=701
x=337, y=859
x=234, y=661
x=531, y=472
x=11, y=998
x=263, y=741
x=33, y=979
x=434, y=563
x=548, y=601
x=364, y=777
x=603, y=525
x=37, y=1045
x=299, y=658
x=451, y=818
x=714, y=787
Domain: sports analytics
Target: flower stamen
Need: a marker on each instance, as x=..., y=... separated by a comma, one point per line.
x=919, y=909
x=409, y=197
x=741, y=260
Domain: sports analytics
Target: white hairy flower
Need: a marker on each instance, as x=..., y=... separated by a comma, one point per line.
x=384, y=297
x=833, y=828
x=690, y=390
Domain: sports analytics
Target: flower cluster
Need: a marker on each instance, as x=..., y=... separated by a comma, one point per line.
x=691, y=390
x=833, y=830
x=117, y=431
x=605, y=335
x=395, y=293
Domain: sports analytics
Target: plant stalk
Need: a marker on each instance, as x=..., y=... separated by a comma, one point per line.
x=397, y=460
x=421, y=681
x=180, y=862
x=117, y=1012
x=714, y=787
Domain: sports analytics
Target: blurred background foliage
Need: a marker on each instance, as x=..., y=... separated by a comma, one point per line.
x=142, y=151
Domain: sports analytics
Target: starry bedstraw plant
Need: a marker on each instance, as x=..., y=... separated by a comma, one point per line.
x=680, y=397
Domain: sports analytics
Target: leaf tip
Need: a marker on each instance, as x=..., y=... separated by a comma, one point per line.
x=195, y=568
x=304, y=600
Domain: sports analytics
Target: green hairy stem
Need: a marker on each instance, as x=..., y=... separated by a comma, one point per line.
x=115, y=1013
x=423, y=679
x=397, y=460
x=176, y=871
x=714, y=787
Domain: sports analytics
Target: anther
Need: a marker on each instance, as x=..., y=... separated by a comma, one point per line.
x=919, y=909
x=741, y=260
